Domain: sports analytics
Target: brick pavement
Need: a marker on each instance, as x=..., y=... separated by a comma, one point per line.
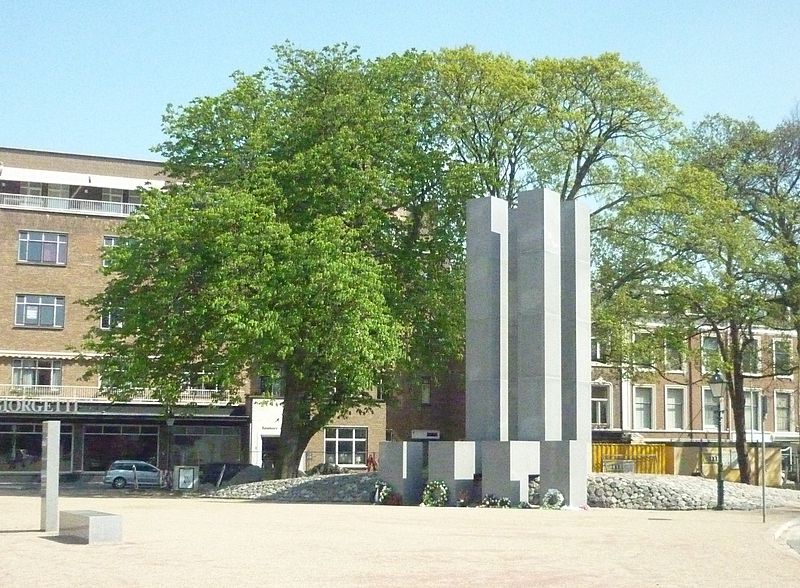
x=205, y=542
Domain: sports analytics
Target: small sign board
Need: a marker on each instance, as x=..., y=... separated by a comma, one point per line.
x=619, y=466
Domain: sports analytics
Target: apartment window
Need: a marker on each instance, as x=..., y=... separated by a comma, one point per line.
x=643, y=407
x=34, y=310
x=111, y=319
x=134, y=197
x=674, y=407
x=41, y=247
x=710, y=409
x=600, y=404
x=643, y=349
x=425, y=392
x=710, y=353
x=782, y=357
x=108, y=241
x=673, y=359
x=273, y=384
x=30, y=188
x=111, y=195
x=783, y=411
x=752, y=418
x=751, y=362
x=346, y=445
x=597, y=350
x=380, y=390
x=36, y=372
x=58, y=190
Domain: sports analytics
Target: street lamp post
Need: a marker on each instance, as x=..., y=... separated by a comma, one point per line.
x=717, y=384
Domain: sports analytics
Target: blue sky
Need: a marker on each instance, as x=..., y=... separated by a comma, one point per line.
x=95, y=77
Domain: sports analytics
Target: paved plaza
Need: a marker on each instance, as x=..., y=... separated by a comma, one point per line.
x=211, y=542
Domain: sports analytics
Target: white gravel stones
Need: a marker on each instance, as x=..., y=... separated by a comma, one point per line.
x=664, y=492
x=330, y=488
x=634, y=491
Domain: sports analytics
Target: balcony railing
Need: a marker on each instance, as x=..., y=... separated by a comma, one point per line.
x=68, y=205
x=94, y=394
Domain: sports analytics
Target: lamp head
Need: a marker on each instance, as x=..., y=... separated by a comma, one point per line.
x=717, y=383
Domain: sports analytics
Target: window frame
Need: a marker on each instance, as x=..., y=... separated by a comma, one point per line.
x=752, y=406
x=108, y=321
x=645, y=337
x=425, y=392
x=58, y=190
x=598, y=354
x=667, y=368
x=715, y=404
x=788, y=394
x=109, y=241
x=31, y=188
x=59, y=246
x=682, y=414
x=115, y=195
x=788, y=342
x=651, y=420
x=19, y=367
x=21, y=301
x=704, y=367
x=756, y=341
x=597, y=401
x=334, y=435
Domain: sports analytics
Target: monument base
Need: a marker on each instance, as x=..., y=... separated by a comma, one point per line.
x=401, y=467
x=565, y=467
x=453, y=462
x=506, y=467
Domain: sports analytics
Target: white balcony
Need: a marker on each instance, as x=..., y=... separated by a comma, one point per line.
x=66, y=205
x=200, y=396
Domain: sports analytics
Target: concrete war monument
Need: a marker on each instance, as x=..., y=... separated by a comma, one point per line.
x=528, y=365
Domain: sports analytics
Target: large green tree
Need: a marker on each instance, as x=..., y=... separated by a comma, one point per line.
x=337, y=151
x=211, y=285
x=386, y=152
x=580, y=126
x=709, y=256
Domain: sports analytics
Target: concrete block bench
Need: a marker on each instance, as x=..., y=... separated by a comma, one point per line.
x=90, y=526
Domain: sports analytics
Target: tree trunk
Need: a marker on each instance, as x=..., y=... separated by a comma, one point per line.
x=737, y=401
x=296, y=432
x=737, y=405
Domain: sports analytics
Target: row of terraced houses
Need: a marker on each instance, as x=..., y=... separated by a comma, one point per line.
x=59, y=211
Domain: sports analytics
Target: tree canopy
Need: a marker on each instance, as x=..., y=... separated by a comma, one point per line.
x=318, y=224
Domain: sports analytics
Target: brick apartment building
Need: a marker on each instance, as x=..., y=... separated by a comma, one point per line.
x=674, y=406
x=57, y=213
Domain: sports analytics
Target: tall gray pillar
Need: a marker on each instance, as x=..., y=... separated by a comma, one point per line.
x=487, y=320
x=537, y=284
x=51, y=458
x=576, y=321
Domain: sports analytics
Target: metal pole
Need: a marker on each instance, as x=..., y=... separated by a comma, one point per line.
x=720, y=488
x=763, y=460
x=763, y=476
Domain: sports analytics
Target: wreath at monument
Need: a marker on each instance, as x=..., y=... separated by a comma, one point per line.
x=385, y=494
x=553, y=499
x=435, y=494
x=492, y=501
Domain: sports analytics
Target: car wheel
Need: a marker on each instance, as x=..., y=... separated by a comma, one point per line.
x=118, y=482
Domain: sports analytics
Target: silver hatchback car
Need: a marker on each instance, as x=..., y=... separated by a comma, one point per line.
x=130, y=472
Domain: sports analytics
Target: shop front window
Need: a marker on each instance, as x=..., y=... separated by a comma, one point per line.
x=21, y=447
x=106, y=443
